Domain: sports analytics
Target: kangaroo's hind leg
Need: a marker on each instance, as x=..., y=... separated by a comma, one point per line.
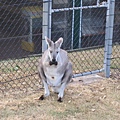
x=65, y=80
x=43, y=78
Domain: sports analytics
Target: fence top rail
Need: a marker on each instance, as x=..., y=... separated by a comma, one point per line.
x=77, y=8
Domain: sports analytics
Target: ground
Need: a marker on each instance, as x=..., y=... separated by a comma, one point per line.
x=99, y=100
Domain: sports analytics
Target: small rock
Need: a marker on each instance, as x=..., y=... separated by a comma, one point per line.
x=93, y=110
x=69, y=101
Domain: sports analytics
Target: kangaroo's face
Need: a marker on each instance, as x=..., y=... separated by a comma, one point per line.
x=54, y=50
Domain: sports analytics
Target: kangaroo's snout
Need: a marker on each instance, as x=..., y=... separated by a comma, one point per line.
x=53, y=62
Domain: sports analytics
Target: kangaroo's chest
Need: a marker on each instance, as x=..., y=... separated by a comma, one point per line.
x=53, y=76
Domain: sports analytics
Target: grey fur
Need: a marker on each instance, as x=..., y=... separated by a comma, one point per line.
x=55, y=75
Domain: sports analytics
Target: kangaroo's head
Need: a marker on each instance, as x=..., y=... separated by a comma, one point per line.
x=54, y=50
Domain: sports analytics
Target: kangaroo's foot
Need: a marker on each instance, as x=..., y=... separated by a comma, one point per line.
x=42, y=97
x=59, y=99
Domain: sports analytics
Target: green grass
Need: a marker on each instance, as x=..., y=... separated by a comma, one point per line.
x=82, y=61
x=22, y=72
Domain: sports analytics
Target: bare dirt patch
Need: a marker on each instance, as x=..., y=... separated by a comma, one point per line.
x=97, y=101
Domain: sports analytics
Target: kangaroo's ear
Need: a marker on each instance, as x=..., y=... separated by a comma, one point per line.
x=48, y=41
x=59, y=42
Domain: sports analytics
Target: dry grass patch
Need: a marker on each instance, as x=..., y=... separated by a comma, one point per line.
x=97, y=101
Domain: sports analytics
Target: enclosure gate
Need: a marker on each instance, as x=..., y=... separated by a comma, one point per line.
x=47, y=16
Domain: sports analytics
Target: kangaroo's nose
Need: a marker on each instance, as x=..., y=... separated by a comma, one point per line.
x=53, y=60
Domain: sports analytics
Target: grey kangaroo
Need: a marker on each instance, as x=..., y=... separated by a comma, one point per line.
x=55, y=69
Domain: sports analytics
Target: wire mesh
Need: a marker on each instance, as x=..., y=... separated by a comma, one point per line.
x=83, y=31
x=20, y=37
x=115, y=62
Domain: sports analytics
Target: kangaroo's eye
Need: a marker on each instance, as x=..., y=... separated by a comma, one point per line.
x=50, y=51
x=57, y=52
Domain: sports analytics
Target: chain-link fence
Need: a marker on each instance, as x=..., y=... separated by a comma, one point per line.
x=81, y=23
x=115, y=62
x=20, y=39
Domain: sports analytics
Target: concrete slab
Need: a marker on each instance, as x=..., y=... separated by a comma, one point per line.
x=88, y=79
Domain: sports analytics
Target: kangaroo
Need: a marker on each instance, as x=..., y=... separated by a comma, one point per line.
x=55, y=69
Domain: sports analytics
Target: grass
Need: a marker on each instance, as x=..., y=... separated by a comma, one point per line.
x=82, y=61
x=22, y=73
x=87, y=60
x=97, y=101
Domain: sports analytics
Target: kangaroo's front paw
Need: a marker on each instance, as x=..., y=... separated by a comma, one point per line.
x=42, y=97
x=59, y=99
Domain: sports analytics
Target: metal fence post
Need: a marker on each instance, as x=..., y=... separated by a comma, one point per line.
x=109, y=36
x=49, y=18
x=73, y=15
x=46, y=24
x=80, y=31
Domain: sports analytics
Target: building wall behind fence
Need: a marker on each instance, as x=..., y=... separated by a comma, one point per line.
x=21, y=39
